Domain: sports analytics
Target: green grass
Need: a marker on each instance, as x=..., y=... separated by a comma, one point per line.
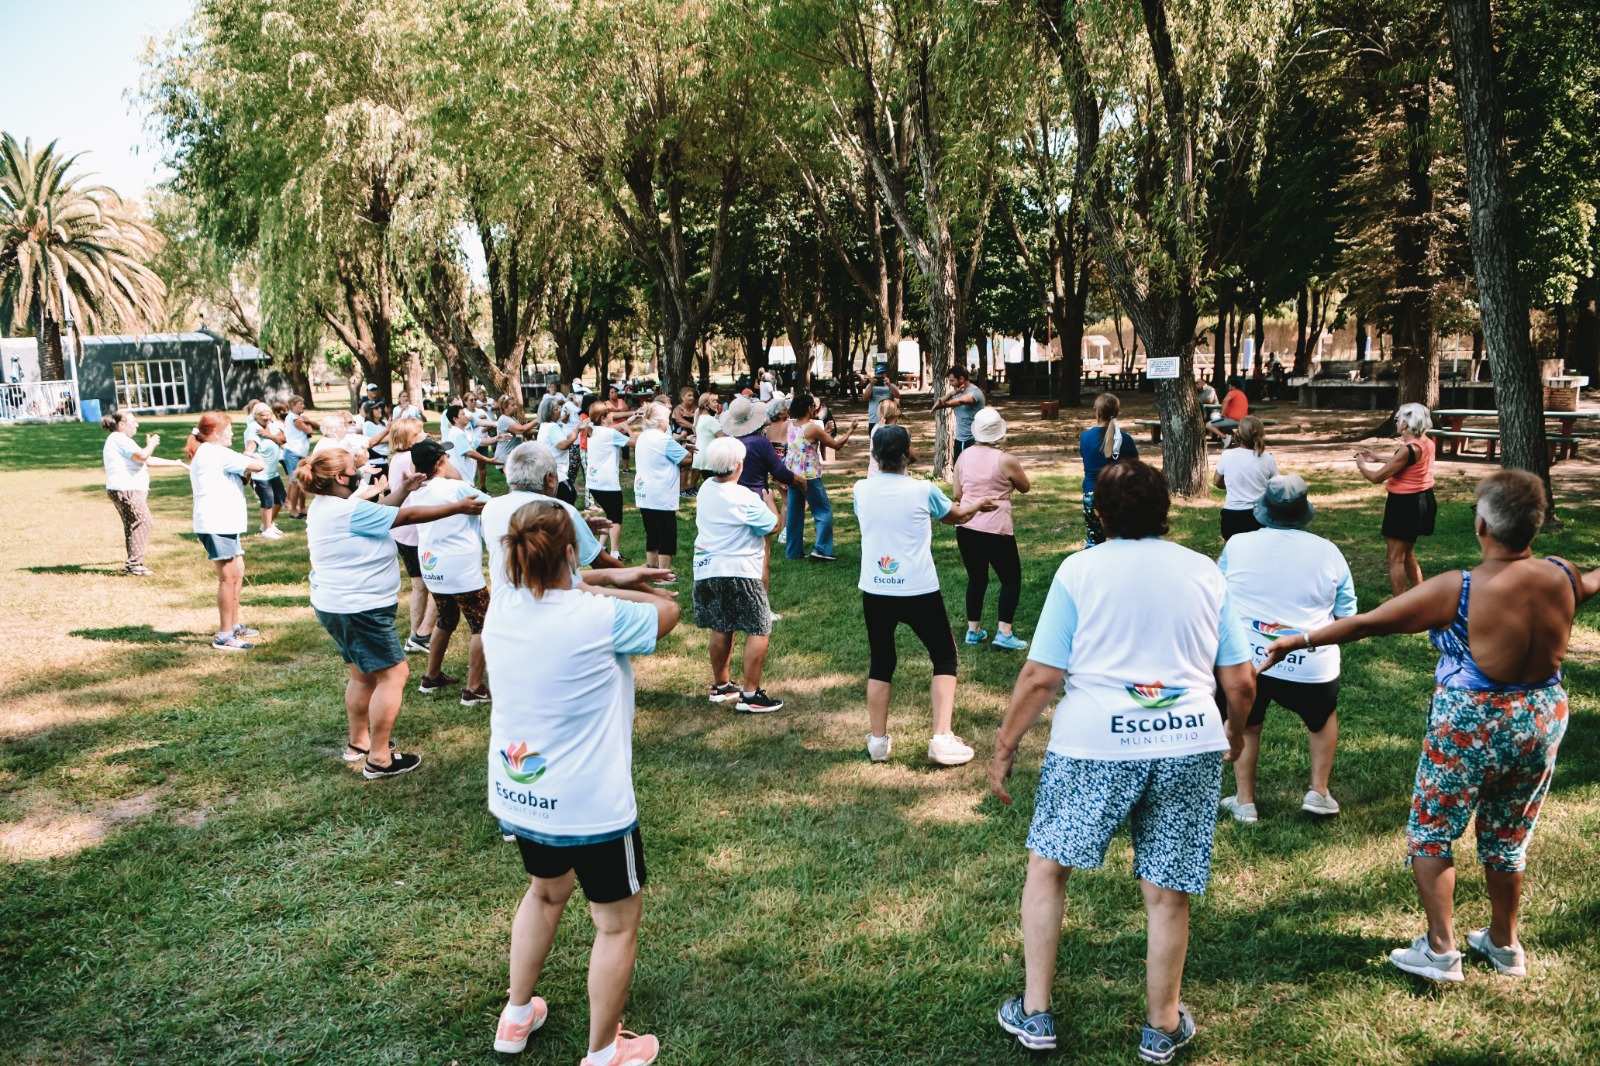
x=803, y=907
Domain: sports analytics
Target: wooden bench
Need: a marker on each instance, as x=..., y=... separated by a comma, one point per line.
x=1154, y=426
x=1559, y=444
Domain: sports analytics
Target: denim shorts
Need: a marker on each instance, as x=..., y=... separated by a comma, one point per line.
x=270, y=493
x=1170, y=806
x=220, y=547
x=366, y=639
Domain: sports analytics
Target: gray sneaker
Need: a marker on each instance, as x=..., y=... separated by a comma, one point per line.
x=1422, y=961
x=1511, y=961
x=1243, y=813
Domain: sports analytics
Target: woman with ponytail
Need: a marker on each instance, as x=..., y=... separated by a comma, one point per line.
x=128, y=482
x=355, y=587
x=216, y=480
x=1101, y=445
x=561, y=768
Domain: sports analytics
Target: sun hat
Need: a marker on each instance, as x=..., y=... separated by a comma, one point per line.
x=743, y=417
x=988, y=426
x=1285, y=504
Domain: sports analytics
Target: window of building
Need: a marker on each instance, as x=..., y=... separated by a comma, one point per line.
x=152, y=385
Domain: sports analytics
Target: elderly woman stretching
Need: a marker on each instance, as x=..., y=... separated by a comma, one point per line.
x=128, y=482
x=1499, y=712
x=1410, y=509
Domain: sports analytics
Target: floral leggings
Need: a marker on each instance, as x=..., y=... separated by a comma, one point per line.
x=1495, y=751
x=1093, y=532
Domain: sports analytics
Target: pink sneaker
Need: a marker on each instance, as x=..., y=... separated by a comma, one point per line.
x=632, y=1050
x=511, y=1037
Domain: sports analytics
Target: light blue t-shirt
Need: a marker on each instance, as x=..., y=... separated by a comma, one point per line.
x=896, y=514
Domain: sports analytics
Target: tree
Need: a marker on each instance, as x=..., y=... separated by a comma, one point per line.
x=69, y=250
x=1501, y=296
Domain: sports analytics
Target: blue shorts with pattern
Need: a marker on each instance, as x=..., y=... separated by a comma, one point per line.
x=1170, y=806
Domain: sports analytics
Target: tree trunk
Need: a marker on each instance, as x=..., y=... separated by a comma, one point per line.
x=1361, y=336
x=1415, y=345
x=413, y=393
x=53, y=364
x=1069, y=388
x=1586, y=329
x=1220, y=353
x=1517, y=388
x=1260, y=336
x=942, y=296
x=1302, y=354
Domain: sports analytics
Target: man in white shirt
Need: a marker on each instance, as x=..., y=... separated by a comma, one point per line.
x=451, y=553
x=1284, y=580
x=530, y=471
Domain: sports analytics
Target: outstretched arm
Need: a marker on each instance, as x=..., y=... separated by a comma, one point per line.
x=1431, y=605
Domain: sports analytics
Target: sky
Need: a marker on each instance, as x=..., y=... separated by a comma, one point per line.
x=71, y=67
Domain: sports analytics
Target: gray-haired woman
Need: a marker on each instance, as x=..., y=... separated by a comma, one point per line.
x=1411, y=508
x=128, y=483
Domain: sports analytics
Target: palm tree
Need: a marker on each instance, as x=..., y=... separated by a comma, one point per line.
x=69, y=250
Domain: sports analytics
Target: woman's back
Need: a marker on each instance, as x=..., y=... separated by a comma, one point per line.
x=983, y=476
x=1519, y=619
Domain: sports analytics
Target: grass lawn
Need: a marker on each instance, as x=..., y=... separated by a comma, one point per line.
x=188, y=874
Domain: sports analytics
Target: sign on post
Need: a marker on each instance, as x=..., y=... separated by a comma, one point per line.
x=1162, y=369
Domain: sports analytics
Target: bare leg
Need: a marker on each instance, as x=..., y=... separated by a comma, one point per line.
x=721, y=653
x=421, y=608
x=755, y=659
x=1043, y=900
x=1322, y=743
x=1244, y=769
x=664, y=561
x=1395, y=552
x=388, y=687
x=652, y=559
x=357, y=696
x=878, y=693
x=616, y=943
x=533, y=930
x=436, y=649
x=476, y=668
x=942, y=692
x=1436, y=884
x=266, y=519
x=1413, y=568
x=614, y=535
x=1505, y=896
x=1167, y=916
x=230, y=579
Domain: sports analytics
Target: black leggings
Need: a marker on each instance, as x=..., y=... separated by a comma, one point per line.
x=924, y=614
x=980, y=551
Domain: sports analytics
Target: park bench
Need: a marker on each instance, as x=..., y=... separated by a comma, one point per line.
x=1154, y=426
x=1456, y=440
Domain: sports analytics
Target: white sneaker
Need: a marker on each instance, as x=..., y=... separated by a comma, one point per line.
x=947, y=749
x=1512, y=961
x=1421, y=960
x=1244, y=813
x=271, y=533
x=1319, y=803
x=878, y=748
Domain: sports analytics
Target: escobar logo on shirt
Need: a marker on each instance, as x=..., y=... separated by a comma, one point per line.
x=1155, y=696
x=1273, y=632
x=888, y=566
x=1169, y=728
x=430, y=562
x=524, y=767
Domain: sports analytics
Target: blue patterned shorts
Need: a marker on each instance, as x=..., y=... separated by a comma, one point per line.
x=1170, y=806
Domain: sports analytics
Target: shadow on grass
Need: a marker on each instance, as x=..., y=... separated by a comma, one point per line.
x=136, y=635
x=113, y=569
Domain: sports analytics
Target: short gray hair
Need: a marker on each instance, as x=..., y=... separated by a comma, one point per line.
x=656, y=415
x=529, y=466
x=1511, y=506
x=724, y=455
x=1414, y=418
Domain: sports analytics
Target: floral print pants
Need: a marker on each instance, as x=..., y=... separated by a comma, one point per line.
x=1493, y=751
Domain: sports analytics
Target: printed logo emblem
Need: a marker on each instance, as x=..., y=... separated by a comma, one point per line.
x=1273, y=629
x=523, y=766
x=888, y=564
x=429, y=561
x=1155, y=696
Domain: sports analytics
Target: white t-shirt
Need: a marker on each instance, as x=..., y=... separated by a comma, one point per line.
x=706, y=428
x=1139, y=626
x=655, y=487
x=295, y=439
x=124, y=473
x=270, y=452
x=766, y=390
x=561, y=730
x=496, y=519
x=353, y=565
x=731, y=524
x=605, y=446
x=896, y=514
x=216, y=480
x=460, y=442
x=552, y=435
x=1285, y=582
x=1246, y=475
x=502, y=448
x=450, y=550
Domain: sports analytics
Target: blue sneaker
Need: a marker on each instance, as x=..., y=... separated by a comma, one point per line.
x=1156, y=1045
x=1009, y=642
x=977, y=636
x=1036, y=1031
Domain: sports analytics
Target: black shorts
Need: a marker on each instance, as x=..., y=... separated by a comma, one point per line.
x=660, y=531
x=1313, y=701
x=1409, y=515
x=609, y=872
x=452, y=605
x=408, y=556
x=270, y=493
x=610, y=501
x=924, y=614
x=1238, y=522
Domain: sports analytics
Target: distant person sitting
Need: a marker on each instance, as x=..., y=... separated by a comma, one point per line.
x=1235, y=405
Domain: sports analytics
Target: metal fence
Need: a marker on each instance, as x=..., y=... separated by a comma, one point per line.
x=39, y=401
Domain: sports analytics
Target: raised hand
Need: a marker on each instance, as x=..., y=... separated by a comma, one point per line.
x=414, y=481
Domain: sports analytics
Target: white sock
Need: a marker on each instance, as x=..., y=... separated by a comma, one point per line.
x=224, y=634
x=519, y=1014
x=602, y=1057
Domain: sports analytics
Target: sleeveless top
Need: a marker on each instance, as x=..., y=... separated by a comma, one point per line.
x=1418, y=474
x=803, y=457
x=982, y=479
x=1457, y=668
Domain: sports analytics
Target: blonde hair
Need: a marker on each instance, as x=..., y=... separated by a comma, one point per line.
x=1106, y=409
x=1250, y=433
x=403, y=433
x=319, y=474
x=706, y=400
x=656, y=414
x=888, y=412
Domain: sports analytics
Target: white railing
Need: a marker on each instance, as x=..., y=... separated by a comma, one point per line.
x=39, y=401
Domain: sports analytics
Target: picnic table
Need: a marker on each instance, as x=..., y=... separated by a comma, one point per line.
x=1564, y=443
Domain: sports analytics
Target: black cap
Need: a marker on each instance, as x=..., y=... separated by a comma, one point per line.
x=425, y=455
